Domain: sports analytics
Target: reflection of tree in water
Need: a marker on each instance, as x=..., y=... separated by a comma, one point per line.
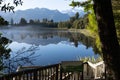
x=79, y=38
x=23, y=36
x=22, y=57
x=48, y=37
x=74, y=37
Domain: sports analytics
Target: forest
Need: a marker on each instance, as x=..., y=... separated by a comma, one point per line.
x=44, y=22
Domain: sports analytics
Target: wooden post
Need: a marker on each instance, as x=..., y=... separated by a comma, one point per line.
x=31, y=76
x=61, y=72
x=35, y=75
x=82, y=72
x=57, y=72
x=27, y=76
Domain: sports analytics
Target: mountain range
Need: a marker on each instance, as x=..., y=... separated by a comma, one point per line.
x=72, y=12
x=38, y=13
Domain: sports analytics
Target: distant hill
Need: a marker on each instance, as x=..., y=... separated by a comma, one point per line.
x=37, y=13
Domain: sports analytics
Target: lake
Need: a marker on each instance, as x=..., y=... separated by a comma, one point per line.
x=36, y=46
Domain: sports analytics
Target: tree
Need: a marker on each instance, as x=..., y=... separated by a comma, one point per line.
x=51, y=20
x=11, y=22
x=8, y=7
x=116, y=11
x=45, y=20
x=23, y=21
x=88, y=8
x=3, y=22
x=31, y=21
x=77, y=15
x=107, y=34
x=4, y=51
x=72, y=19
x=37, y=21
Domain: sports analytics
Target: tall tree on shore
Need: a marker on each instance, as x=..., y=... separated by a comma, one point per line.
x=108, y=37
x=77, y=15
x=23, y=21
x=107, y=34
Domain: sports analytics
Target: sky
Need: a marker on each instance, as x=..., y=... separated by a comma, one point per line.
x=60, y=5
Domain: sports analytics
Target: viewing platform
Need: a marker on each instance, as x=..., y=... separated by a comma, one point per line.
x=66, y=70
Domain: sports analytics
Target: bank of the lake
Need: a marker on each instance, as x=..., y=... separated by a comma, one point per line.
x=86, y=32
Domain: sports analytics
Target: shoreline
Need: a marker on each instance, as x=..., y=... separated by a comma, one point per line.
x=83, y=31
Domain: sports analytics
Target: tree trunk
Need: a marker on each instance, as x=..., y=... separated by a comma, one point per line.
x=108, y=37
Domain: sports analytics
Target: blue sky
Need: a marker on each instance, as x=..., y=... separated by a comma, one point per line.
x=60, y=5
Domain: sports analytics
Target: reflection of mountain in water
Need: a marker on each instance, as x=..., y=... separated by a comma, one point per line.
x=36, y=38
x=42, y=36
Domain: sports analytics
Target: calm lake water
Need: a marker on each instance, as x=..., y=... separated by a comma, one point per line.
x=33, y=45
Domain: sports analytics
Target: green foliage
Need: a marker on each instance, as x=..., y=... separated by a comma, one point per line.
x=116, y=11
x=3, y=22
x=66, y=24
x=4, y=52
x=97, y=44
x=88, y=7
x=91, y=59
x=72, y=19
x=76, y=3
x=90, y=21
x=87, y=4
x=74, y=22
x=92, y=24
x=8, y=7
x=78, y=24
x=22, y=21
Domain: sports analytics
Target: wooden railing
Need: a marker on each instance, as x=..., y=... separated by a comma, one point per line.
x=51, y=72
x=42, y=73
